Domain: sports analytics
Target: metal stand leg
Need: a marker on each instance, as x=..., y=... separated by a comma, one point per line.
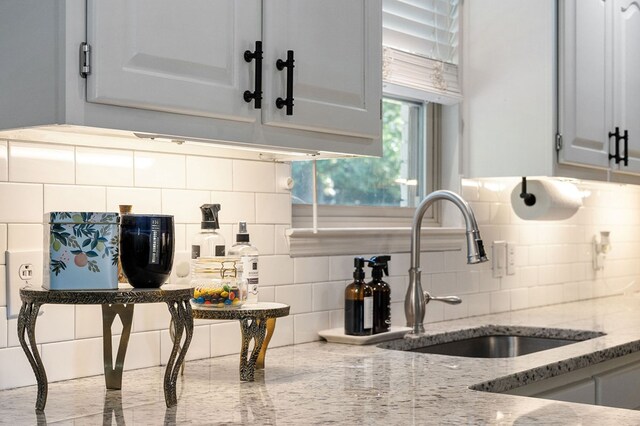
x=252, y=328
x=182, y=322
x=27, y=324
x=113, y=375
x=271, y=326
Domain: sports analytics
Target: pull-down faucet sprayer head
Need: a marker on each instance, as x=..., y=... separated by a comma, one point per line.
x=475, y=248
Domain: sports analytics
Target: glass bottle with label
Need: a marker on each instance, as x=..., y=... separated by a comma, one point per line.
x=248, y=255
x=208, y=242
x=358, y=303
x=381, y=294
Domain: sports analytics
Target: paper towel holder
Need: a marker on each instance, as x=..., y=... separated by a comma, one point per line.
x=529, y=199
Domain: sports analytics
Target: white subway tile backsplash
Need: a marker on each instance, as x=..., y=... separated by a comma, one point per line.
x=150, y=316
x=42, y=163
x=55, y=324
x=336, y=318
x=184, y=205
x=235, y=206
x=254, y=176
x=3, y=329
x=3, y=242
x=276, y=270
x=225, y=338
x=519, y=298
x=3, y=291
x=310, y=269
x=433, y=262
x=500, y=301
x=28, y=210
x=282, y=334
x=157, y=170
x=266, y=293
x=75, y=198
x=15, y=370
x=281, y=242
x=142, y=200
x=478, y=304
x=326, y=296
x=273, y=208
x=199, y=348
x=298, y=296
x=209, y=173
x=143, y=350
x=88, y=322
x=261, y=236
x=25, y=237
x=452, y=312
x=283, y=173
x=306, y=326
x=340, y=267
x=4, y=163
x=111, y=167
x=71, y=359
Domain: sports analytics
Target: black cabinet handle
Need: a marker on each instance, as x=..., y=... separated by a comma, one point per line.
x=626, y=147
x=616, y=156
x=288, y=64
x=256, y=95
x=620, y=137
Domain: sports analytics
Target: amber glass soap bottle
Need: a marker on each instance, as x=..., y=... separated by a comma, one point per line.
x=358, y=303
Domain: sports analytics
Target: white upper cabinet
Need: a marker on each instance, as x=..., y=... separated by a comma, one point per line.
x=183, y=57
x=585, y=82
x=626, y=77
x=336, y=46
x=600, y=85
x=179, y=69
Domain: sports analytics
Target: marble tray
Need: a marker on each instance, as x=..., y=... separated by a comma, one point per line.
x=336, y=335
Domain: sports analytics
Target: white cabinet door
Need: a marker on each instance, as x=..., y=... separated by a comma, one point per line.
x=583, y=391
x=626, y=39
x=619, y=388
x=337, y=70
x=177, y=56
x=586, y=92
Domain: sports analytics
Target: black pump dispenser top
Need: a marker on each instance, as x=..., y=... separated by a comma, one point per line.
x=242, y=236
x=379, y=264
x=358, y=274
x=210, y=216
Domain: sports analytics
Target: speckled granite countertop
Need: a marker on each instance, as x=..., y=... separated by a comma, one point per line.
x=321, y=383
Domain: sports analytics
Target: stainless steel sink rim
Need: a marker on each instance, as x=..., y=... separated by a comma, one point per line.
x=413, y=342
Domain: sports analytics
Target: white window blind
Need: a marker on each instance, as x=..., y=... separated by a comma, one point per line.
x=420, y=40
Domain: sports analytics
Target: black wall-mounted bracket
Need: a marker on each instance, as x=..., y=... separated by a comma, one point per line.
x=529, y=199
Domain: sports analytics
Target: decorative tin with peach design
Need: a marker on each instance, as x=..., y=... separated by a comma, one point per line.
x=81, y=251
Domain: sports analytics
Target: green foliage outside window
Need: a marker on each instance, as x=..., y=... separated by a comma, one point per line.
x=361, y=181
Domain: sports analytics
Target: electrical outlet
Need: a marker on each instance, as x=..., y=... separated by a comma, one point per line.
x=498, y=257
x=511, y=259
x=23, y=268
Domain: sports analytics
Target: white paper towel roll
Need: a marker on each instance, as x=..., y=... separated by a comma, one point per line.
x=555, y=200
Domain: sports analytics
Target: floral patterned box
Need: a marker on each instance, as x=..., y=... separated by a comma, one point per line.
x=81, y=251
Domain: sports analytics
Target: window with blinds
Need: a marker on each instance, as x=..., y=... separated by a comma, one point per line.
x=420, y=47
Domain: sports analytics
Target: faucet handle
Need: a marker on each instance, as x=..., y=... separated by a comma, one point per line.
x=451, y=300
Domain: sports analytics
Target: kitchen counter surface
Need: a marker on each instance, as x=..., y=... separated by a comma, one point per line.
x=335, y=383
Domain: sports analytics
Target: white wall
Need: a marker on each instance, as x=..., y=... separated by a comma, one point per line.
x=553, y=266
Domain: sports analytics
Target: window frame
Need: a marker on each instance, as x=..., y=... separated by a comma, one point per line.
x=341, y=216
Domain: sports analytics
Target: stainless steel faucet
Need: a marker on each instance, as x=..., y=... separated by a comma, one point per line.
x=416, y=300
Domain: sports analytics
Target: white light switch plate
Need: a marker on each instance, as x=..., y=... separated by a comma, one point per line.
x=23, y=268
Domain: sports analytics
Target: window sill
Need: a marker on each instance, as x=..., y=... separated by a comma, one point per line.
x=347, y=241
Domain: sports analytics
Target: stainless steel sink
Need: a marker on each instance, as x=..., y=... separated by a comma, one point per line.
x=495, y=346
x=492, y=341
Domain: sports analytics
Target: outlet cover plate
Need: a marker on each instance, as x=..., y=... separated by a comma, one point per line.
x=17, y=262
